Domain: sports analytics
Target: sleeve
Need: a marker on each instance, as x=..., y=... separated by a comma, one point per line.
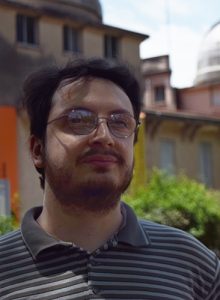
x=215, y=291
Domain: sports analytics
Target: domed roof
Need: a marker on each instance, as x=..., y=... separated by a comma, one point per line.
x=86, y=10
x=90, y=5
x=208, y=69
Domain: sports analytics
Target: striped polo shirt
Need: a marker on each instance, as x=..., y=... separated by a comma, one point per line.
x=143, y=261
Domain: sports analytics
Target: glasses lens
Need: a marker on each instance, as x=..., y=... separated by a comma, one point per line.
x=121, y=125
x=82, y=121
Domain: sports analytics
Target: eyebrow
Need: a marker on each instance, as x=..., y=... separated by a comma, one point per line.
x=114, y=111
x=121, y=111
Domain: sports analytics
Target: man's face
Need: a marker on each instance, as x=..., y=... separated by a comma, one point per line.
x=88, y=171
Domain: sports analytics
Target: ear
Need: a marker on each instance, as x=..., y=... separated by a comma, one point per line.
x=37, y=151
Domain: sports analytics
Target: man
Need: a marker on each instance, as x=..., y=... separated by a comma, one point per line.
x=85, y=243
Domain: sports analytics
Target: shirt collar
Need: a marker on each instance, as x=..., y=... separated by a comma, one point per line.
x=132, y=232
x=37, y=240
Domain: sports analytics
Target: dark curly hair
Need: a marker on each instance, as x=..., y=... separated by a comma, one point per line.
x=40, y=86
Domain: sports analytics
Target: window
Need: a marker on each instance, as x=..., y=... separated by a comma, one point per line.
x=205, y=163
x=167, y=156
x=159, y=93
x=71, y=39
x=110, y=46
x=216, y=98
x=26, y=29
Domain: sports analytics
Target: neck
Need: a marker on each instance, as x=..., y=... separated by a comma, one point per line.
x=88, y=230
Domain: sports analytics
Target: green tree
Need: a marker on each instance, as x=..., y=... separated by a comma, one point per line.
x=182, y=203
x=6, y=224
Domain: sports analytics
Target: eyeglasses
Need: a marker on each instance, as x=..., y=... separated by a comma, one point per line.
x=83, y=122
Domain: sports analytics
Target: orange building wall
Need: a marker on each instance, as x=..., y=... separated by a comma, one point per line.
x=8, y=150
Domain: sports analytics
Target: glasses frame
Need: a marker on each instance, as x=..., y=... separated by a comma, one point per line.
x=98, y=122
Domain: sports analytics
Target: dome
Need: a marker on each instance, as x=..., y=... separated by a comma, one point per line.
x=84, y=10
x=208, y=69
x=92, y=6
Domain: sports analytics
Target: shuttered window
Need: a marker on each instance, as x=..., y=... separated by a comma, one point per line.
x=111, y=46
x=26, y=28
x=71, y=39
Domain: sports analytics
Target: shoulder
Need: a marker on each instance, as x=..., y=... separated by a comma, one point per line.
x=166, y=235
x=10, y=242
x=182, y=252
x=10, y=237
x=159, y=232
x=177, y=243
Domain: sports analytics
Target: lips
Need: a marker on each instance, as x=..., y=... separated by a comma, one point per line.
x=101, y=160
x=100, y=157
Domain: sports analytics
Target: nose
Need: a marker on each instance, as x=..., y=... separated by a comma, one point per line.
x=102, y=135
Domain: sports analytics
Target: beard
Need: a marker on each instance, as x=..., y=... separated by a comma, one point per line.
x=97, y=194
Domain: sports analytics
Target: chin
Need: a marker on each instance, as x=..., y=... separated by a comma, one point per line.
x=95, y=191
x=95, y=195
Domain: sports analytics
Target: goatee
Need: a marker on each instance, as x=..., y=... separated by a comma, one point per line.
x=96, y=196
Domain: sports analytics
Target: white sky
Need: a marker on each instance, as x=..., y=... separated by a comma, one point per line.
x=176, y=27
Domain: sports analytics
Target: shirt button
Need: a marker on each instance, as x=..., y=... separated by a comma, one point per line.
x=95, y=290
x=114, y=243
x=105, y=247
x=97, y=252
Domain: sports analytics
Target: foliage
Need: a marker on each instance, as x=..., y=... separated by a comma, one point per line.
x=182, y=203
x=6, y=224
x=140, y=171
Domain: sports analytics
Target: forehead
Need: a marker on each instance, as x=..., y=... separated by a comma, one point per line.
x=97, y=94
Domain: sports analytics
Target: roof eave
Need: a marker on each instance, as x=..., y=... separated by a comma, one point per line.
x=178, y=116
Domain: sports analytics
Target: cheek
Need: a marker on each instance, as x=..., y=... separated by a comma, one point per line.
x=63, y=146
x=128, y=151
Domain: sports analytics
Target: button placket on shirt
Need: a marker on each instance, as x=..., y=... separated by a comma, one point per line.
x=93, y=263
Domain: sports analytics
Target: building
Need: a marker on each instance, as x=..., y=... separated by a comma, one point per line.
x=35, y=33
x=183, y=125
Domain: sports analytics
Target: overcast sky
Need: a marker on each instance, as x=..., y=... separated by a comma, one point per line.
x=176, y=27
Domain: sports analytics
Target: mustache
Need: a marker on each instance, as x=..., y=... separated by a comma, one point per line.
x=91, y=152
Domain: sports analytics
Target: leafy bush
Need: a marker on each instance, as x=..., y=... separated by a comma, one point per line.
x=6, y=224
x=182, y=203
